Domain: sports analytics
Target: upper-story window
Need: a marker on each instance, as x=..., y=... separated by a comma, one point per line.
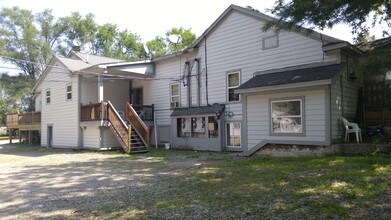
x=48, y=96
x=233, y=82
x=270, y=42
x=69, y=92
x=174, y=95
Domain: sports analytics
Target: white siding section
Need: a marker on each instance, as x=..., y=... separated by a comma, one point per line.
x=91, y=137
x=258, y=117
x=117, y=92
x=108, y=139
x=38, y=102
x=157, y=91
x=62, y=114
x=89, y=90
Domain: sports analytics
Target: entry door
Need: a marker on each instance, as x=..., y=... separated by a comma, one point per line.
x=50, y=136
x=137, y=96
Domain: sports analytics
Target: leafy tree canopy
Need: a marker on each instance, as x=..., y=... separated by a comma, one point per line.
x=16, y=92
x=327, y=13
x=161, y=46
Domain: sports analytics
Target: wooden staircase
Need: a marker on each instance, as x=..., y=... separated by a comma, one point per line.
x=133, y=135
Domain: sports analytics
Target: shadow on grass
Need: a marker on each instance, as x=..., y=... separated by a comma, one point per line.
x=198, y=185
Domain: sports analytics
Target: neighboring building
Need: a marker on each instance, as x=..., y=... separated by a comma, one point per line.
x=236, y=88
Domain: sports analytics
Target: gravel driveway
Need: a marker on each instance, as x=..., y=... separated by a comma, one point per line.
x=54, y=183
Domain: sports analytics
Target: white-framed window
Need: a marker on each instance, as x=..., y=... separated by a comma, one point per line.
x=233, y=134
x=287, y=116
x=174, y=95
x=233, y=82
x=69, y=92
x=48, y=96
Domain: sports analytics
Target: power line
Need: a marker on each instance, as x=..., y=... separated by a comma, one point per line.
x=95, y=73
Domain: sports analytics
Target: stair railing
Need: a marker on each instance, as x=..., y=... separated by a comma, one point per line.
x=137, y=124
x=119, y=125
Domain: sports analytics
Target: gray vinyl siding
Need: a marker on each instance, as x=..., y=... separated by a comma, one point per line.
x=117, y=92
x=237, y=45
x=258, y=117
x=157, y=91
x=343, y=103
x=62, y=114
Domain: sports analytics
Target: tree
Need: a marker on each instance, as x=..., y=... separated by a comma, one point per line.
x=21, y=41
x=80, y=28
x=325, y=14
x=161, y=46
x=129, y=46
x=3, y=110
x=187, y=39
x=16, y=92
x=157, y=47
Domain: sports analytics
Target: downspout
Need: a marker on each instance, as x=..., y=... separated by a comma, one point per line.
x=198, y=82
x=188, y=85
x=79, y=135
x=206, y=74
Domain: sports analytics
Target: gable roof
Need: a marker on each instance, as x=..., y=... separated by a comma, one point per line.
x=293, y=76
x=82, y=62
x=94, y=59
x=72, y=64
x=259, y=16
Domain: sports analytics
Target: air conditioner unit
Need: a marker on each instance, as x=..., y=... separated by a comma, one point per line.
x=174, y=104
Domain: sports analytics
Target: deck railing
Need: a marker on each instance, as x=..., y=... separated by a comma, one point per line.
x=28, y=118
x=145, y=112
x=94, y=111
x=122, y=130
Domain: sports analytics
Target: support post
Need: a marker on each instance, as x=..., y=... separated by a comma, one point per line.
x=30, y=137
x=10, y=135
x=100, y=86
x=129, y=138
x=20, y=136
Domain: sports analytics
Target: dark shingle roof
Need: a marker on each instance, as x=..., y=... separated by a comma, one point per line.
x=293, y=76
x=204, y=110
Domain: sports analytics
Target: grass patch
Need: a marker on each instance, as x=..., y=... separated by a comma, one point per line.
x=306, y=187
x=174, y=184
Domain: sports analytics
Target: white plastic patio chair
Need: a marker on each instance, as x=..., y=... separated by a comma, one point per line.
x=351, y=128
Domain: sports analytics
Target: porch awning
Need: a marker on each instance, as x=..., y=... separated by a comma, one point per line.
x=295, y=78
x=205, y=110
x=140, y=69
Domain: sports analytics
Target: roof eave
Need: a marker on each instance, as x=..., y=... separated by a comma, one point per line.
x=342, y=45
x=284, y=86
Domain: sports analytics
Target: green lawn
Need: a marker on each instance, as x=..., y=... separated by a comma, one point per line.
x=169, y=184
x=261, y=187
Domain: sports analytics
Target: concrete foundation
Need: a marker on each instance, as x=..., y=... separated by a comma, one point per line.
x=278, y=150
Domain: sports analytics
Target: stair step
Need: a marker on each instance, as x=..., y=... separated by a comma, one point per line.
x=139, y=151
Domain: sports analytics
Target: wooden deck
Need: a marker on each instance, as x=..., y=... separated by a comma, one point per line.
x=29, y=121
x=28, y=124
